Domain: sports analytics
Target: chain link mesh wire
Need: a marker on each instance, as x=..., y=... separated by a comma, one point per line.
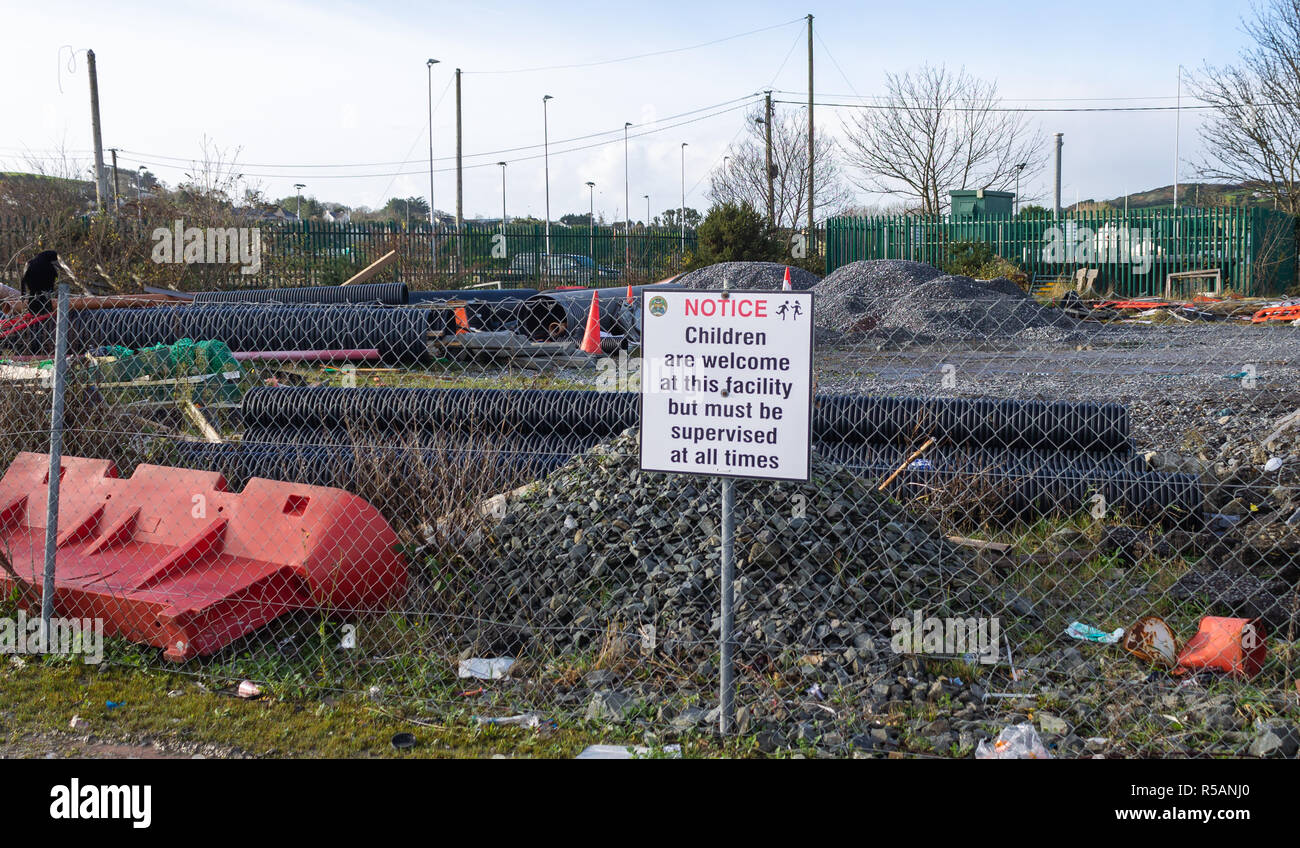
x=459, y=521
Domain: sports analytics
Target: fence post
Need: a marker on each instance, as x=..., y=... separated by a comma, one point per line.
x=56, y=463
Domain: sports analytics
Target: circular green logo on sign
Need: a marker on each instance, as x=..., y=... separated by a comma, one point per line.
x=658, y=306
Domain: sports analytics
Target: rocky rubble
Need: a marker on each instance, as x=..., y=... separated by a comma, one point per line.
x=751, y=276
x=821, y=568
x=917, y=302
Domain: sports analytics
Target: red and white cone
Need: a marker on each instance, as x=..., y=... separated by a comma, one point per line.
x=785, y=286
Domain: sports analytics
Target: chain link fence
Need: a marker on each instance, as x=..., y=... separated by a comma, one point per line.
x=1014, y=517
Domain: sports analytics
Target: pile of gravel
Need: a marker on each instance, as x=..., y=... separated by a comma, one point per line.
x=600, y=542
x=749, y=276
x=894, y=297
x=852, y=294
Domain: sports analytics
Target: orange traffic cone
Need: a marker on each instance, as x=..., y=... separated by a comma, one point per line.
x=785, y=286
x=591, y=338
x=462, y=320
x=631, y=298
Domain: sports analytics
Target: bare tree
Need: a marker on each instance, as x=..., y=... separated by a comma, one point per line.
x=742, y=178
x=937, y=130
x=1252, y=135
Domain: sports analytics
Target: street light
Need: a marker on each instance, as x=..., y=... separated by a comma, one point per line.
x=681, y=212
x=591, y=219
x=627, y=208
x=139, y=193
x=546, y=160
x=647, y=213
x=297, y=188
x=503, y=197
x=1019, y=168
x=429, y=64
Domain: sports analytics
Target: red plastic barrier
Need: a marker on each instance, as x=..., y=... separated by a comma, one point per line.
x=170, y=558
x=1285, y=312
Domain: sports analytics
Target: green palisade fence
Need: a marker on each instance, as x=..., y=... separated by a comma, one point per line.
x=307, y=253
x=1255, y=249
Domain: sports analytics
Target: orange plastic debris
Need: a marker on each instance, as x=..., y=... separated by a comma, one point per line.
x=1232, y=645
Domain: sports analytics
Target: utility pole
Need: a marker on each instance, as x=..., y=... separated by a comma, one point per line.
x=1178, y=132
x=113, y=150
x=460, y=188
x=812, y=233
x=546, y=160
x=591, y=219
x=503, y=197
x=1060, y=140
x=771, y=185
x=681, y=212
x=627, y=208
x=1020, y=169
x=101, y=189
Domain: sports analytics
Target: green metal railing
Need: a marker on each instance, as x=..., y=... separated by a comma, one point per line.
x=1254, y=249
x=428, y=257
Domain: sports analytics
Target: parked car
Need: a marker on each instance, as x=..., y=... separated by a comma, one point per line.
x=558, y=269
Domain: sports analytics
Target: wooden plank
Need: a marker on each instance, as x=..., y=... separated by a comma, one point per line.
x=372, y=269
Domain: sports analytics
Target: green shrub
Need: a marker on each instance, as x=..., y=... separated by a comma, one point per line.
x=978, y=259
x=734, y=232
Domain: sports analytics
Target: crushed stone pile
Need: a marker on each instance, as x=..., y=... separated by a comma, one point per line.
x=748, y=276
x=600, y=542
x=918, y=300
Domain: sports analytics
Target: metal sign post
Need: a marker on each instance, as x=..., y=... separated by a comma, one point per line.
x=726, y=391
x=727, y=662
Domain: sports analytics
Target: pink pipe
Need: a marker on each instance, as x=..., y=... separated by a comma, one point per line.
x=356, y=355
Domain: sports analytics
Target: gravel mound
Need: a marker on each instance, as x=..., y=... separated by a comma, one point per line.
x=885, y=296
x=599, y=542
x=854, y=292
x=749, y=276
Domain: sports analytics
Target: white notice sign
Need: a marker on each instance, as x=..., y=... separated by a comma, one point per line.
x=726, y=383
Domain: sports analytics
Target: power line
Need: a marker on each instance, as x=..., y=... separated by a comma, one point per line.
x=919, y=108
x=638, y=55
x=743, y=105
x=1014, y=99
x=298, y=166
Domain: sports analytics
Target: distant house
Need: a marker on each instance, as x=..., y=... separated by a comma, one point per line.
x=339, y=215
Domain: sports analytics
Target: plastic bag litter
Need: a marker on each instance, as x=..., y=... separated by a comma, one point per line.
x=625, y=752
x=1088, y=633
x=485, y=668
x=532, y=720
x=1017, y=742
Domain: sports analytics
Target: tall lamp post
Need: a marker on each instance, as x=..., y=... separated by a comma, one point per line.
x=1019, y=169
x=503, y=197
x=546, y=160
x=627, y=207
x=591, y=219
x=647, y=212
x=297, y=188
x=429, y=65
x=681, y=212
x=139, y=193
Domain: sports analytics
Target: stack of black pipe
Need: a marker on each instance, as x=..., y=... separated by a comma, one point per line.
x=398, y=334
x=1030, y=457
x=387, y=294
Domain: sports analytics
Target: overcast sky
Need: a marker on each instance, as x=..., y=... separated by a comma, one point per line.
x=334, y=94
